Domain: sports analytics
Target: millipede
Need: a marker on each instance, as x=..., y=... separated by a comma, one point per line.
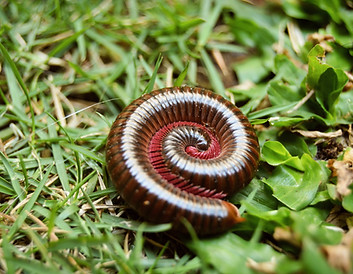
x=176, y=153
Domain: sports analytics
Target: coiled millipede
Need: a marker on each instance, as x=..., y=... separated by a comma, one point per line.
x=175, y=152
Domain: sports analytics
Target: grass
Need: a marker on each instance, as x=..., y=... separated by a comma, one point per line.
x=67, y=68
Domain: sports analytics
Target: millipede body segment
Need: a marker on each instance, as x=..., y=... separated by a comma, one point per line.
x=176, y=152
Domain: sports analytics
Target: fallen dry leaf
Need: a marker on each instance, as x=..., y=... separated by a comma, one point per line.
x=322, y=40
x=319, y=134
x=287, y=235
x=262, y=267
x=344, y=172
x=339, y=217
x=340, y=256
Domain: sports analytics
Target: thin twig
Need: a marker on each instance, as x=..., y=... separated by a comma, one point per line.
x=302, y=101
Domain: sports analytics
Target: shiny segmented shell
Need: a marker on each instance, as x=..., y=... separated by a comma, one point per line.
x=148, y=145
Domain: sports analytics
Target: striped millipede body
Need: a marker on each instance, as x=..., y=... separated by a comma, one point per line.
x=175, y=152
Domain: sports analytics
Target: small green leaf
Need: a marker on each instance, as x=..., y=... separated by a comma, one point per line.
x=347, y=202
x=275, y=154
x=296, y=144
x=326, y=81
x=344, y=108
x=316, y=68
x=330, y=85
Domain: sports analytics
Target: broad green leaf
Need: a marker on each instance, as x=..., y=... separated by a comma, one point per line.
x=280, y=217
x=340, y=58
x=251, y=33
x=281, y=93
x=275, y=154
x=296, y=9
x=347, y=202
x=255, y=93
x=294, y=188
x=332, y=7
x=229, y=252
x=257, y=194
x=251, y=69
x=310, y=222
x=295, y=180
x=287, y=71
x=314, y=261
x=295, y=144
x=316, y=68
x=344, y=108
x=330, y=85
x=13, y=73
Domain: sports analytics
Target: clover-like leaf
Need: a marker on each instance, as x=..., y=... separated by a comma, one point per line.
x=295, y=180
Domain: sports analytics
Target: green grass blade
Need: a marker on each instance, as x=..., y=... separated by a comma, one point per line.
x=65, y=43
x=28, y=206
x=213, y=74
x=17, y=74
x=20, y=193
x=6, y=188
x=179, y=81
x=151, y=82
x=58, y=157
x=90, y=154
